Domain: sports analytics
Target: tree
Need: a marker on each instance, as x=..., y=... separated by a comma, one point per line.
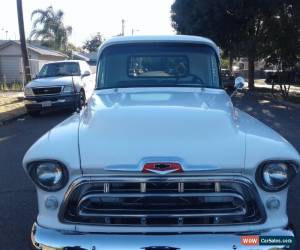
x=93, y=44
x=70, y=48
x=49, y=27
x=240, y=27
x=209, y=18
x=284, y=47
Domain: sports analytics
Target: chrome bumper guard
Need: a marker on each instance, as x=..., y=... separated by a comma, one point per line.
x=49, y=239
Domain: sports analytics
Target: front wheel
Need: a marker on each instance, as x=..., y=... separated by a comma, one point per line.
x=33, y=113
x=82, y=100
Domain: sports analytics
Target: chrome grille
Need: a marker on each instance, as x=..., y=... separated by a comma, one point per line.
x=47, y=90
x=162, y=202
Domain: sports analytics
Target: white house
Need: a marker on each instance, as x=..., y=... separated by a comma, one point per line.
x=11, y=69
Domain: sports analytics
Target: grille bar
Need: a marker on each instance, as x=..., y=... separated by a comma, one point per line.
x=47, y=90
x=140, y=195
x=162, y=202
x=146, y=215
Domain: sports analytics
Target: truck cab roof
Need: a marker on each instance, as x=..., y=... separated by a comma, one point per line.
x=159, y=39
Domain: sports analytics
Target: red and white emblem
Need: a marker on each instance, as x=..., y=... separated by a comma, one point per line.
x=162, y=168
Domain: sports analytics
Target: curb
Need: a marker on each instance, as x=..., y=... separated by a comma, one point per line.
x=11, y=119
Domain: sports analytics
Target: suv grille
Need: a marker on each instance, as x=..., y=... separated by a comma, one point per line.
x=47, y=91
x=162, y=202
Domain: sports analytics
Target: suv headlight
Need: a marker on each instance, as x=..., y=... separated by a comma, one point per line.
x=68, y=89
x=48, y=175
x=28, y=91
x=274, y=176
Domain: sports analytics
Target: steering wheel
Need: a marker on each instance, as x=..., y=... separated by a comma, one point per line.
x=195, y=78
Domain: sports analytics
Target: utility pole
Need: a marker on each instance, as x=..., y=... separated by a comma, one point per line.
x=134, y=30
x=23, y=42
x=123, y=27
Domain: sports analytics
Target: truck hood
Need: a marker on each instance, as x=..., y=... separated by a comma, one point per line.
x=121, y=130
x=52, y=81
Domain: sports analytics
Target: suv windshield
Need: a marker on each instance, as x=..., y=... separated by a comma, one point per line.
x=60, y=69
x=158, y=65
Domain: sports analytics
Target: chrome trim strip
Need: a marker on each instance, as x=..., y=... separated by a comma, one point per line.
x=137, y=215
x=141, y=195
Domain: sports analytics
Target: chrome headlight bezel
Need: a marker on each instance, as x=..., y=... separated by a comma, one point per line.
x=261, y=174
x=59, y=167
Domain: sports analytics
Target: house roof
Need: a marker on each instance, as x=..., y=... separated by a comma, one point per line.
x=41, y=50
x=85, y=56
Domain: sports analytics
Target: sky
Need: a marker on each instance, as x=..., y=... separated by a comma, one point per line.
x=145, y=17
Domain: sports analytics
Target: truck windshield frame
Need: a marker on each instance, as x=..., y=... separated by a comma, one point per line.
x=146, y=64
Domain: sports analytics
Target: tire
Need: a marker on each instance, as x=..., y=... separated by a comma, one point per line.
x=82, y=99
x=33, y=113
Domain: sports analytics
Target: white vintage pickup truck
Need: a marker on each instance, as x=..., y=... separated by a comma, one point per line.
x=159, y=159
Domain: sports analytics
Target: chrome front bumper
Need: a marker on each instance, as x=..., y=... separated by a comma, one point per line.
x=48, y=239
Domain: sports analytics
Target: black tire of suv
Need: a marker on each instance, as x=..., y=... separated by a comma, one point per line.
x=82, y=99
x=33, y=113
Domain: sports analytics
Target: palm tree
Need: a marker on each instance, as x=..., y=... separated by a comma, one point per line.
x=49, y=27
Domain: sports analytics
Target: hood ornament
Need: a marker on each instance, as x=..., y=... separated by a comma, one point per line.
x=162, y=168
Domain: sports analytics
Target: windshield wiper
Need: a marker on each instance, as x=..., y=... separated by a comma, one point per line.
x=62, y=74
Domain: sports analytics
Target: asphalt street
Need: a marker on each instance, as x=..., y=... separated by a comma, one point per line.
x=18, y=206
x=17, y=196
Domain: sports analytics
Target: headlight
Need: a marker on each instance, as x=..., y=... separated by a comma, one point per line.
x=275, y=175
x=28, y=92
x=68, y=89
x=49, y=175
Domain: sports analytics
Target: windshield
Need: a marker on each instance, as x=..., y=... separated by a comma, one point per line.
x=60, y=69
x=158, y=65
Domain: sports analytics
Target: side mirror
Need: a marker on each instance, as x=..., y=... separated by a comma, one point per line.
x=239, y=83
x=86, y=73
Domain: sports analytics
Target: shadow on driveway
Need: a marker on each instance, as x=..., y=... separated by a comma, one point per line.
x=286, y=121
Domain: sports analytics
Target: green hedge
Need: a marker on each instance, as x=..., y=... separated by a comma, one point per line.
x=14, y=86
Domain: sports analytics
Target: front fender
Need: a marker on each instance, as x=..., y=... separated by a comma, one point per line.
x=60, y=143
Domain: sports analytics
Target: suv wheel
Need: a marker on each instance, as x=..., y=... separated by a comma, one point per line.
x=34, y=113
x=82, y=99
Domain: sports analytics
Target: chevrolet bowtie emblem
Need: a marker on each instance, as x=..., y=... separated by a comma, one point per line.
x=162, y=168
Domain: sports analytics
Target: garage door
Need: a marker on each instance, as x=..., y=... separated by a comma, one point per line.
x=10, y=68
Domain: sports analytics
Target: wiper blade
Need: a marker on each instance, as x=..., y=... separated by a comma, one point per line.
x=61, y=74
